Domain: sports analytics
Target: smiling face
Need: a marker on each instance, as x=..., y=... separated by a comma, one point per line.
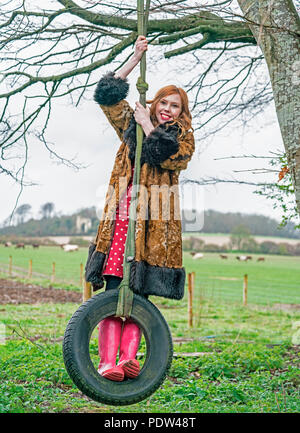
x=168, y=108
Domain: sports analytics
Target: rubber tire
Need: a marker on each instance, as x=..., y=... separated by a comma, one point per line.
x=77, y=359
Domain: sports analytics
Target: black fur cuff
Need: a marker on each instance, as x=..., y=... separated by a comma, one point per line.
x=160, y=145
x=111, y=90
x=93, y=268
x=92, y=248
x=148, y=280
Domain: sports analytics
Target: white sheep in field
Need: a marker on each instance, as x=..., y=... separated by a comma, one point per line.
x=197, y=256
x=242, y=258
x=70, y=247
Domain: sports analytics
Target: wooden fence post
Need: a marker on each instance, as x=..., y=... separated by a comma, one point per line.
x=53, y=273
x=245, y=290
x=10, y=266
x=191, y=278
x=30, y=270
x=81, y=275
x=87, y=291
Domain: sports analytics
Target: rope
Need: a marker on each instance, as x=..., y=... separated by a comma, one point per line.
x=125, y=298
x=142, y=86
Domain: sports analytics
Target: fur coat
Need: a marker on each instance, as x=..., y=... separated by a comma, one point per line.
x=157, y=265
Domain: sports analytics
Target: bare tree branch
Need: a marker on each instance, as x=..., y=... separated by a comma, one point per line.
x=56, y=51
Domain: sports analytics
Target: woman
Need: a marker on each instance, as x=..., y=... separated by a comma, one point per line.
x=157, y=269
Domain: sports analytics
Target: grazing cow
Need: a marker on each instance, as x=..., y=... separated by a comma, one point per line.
x=242, y=258
x=197, y=255
x=35, y=245
x=20, y=246
x=249, y=257
x=8, y=244
x=223, y=256
x=261, y=259
x=70, y=247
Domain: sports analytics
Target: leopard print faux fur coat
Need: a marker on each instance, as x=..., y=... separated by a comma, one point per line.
x=157, y=266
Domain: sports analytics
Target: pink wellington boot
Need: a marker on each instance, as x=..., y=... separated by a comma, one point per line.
x=108, y=343
x=130, y=341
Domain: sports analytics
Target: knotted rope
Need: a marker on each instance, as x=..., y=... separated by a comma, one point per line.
x=142, y=86
x=125, y=298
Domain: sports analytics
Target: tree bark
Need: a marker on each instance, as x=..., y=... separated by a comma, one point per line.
x=275, y=25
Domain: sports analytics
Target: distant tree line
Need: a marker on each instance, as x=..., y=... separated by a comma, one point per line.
x=51, y=224
x=24, y=212
x=251, y=247
x=242, y=241
x=258, y=225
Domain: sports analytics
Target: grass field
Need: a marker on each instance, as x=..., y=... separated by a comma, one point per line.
x=248, y=362
x=277, y=280
x=67, y=265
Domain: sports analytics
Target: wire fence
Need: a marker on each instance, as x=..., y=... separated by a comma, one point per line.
x=241, y=291
x=236, y=289
x=201, y=286
x=12, y=271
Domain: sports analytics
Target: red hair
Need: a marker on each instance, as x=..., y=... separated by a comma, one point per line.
x=185, y=118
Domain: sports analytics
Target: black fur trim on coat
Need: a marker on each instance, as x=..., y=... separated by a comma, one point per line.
x=156, y=280
x=111, y=90
x=160, y=144
x=157, y=147
x=93, y=268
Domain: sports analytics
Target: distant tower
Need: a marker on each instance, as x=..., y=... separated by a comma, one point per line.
x=83, y=224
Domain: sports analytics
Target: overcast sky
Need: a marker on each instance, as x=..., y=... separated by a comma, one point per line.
x=83, y=133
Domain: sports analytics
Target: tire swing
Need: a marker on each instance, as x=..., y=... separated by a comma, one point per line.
x=121, y=302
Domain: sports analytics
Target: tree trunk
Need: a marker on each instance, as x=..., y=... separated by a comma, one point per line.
x=277, y=32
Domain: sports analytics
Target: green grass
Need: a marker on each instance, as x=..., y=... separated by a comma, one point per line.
x=67, y=265
x=248, y=362
x=274, y=281
x=248, y=366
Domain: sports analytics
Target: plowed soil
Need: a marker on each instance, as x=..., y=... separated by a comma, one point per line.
x=14, y=292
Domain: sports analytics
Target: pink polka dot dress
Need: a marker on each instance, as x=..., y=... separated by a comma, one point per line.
x=114, y=264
